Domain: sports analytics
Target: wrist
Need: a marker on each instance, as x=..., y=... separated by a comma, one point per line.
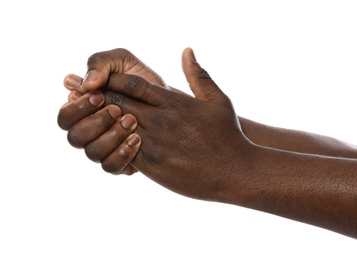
x=240, y=188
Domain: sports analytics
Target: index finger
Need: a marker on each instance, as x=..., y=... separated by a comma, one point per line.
x=140, y=89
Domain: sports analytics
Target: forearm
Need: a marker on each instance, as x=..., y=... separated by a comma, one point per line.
x=316, y=190
x=296, y=141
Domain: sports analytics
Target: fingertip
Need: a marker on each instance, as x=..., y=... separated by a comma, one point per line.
x=94, y=79
x=187, y=50
x=114, y=111
x=72, y=81
x=189, y=62
x=90, y=77
x=189, y=55
x=73, y=95
x=96, y=98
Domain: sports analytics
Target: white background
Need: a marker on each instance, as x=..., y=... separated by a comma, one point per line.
x=291, y=64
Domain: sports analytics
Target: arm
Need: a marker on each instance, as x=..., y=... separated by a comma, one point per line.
x=197, y=148
x=296, y=141
x=316, y=190
x=203, y=153
x=122, y=61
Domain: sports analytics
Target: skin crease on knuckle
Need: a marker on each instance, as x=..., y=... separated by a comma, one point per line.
x=133, y=84
x=113, y=98
x=96, y=58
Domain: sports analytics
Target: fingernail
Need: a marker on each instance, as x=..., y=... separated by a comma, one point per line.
x=96, y=98
x=133, y=140
x=128, y=121
x=91, y=76
x=72, y=82
x=81, y=89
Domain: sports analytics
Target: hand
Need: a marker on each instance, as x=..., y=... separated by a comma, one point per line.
x=193, y=146
x=181, y=134
x=102, y=64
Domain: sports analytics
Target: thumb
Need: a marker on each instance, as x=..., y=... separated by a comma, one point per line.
x=102, y=64
x=201, y=84
x=99, y=69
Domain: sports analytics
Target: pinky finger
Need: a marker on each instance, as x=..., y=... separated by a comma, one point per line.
x=118, y=162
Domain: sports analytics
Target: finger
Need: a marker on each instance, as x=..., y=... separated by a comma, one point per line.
x=73, y=95
x=201, y=84
x=117, y=161
x=93, y=126
x=128, y=105
x=74, y=82
x=139, y=89
x=101, y=147
x=75, y=111
x=101, y=64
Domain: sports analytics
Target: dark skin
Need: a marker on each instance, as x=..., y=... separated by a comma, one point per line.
x=122, y=61
x=197, y=147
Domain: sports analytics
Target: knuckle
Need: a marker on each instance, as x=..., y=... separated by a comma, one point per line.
x=62, y=121
x=118, y=132
x=92, y=152
x=117, y=166
x=133, y=83
x=74, y=138
x=121, y=52
x=203, y=74
x=99, y=121
x=123, y=154
x=96, y=58
x=111, y=57
x=67, y=115
x=108, y=167
x=100, y=57
x=114, y=98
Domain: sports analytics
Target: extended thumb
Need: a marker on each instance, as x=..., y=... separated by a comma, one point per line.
x=200, y=82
